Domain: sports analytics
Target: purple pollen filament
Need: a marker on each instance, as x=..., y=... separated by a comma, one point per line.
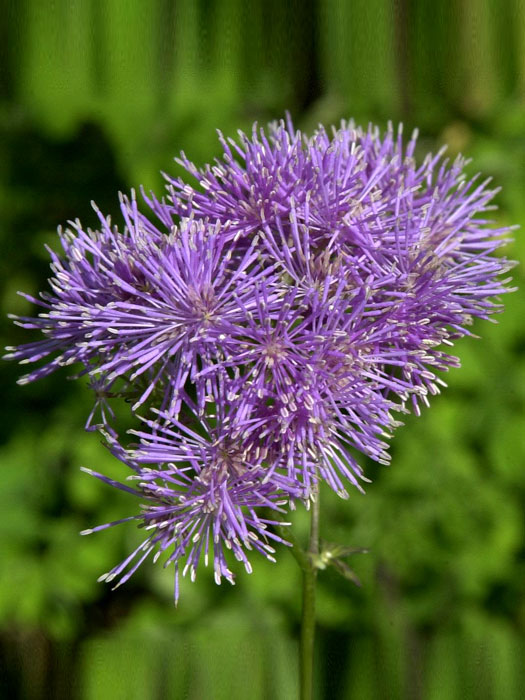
x=269, y=322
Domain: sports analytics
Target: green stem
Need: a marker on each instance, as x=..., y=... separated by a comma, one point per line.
x=307, y=562
x=306, y=650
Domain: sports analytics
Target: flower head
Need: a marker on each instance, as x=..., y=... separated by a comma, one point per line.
x=283, y=311
x=202, y=491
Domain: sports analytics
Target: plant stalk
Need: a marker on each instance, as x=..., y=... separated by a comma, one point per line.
x=309, y=572
x=307, y=563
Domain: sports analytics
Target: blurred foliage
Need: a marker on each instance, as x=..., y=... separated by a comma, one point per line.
x=98, y=96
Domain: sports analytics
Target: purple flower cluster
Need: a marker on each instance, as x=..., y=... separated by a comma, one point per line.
x=273, y=322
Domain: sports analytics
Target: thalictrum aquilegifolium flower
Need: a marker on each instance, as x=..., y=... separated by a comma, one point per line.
x=271, y=318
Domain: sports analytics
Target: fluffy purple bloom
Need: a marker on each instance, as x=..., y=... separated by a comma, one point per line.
x=258, y=179
x=202, y=491
x=149, y=308
x=276, y=319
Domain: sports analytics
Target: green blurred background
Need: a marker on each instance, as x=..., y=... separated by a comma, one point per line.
x=97, y=97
